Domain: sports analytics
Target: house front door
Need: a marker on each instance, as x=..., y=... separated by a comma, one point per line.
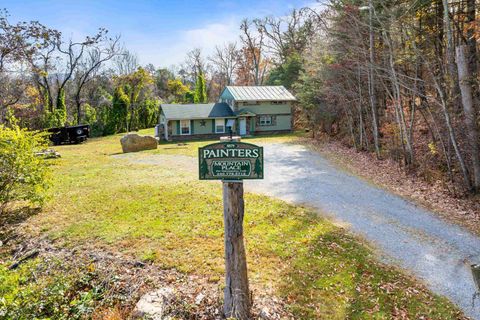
x=243, y=126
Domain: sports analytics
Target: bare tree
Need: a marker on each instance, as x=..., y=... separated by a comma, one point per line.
x=470, y=113
x=254, y=43
x=126, y=62
x=451, y=74
x=88, y=67
x=195, y=64
x=18, y=43
x=55, y=64
x=287, y=35
x=225, y=59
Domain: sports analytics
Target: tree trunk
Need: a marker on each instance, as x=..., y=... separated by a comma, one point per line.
x=439, y=27
x=236, y=293
x=451, y=67
x=78, y=104
x=469, y=112
x=396, y=97
x=451, y=133
x=472, y=42
x=472, y=56
x=371, y=84
x=360, y=109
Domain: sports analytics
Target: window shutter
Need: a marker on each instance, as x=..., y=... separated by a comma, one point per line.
x=191, y=126
x=213, y=125
x=178, y=126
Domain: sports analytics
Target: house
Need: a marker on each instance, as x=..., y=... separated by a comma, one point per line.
x=252, y=110
x=184, y=121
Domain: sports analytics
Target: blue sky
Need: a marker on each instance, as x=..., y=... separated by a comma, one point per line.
x=159, y=32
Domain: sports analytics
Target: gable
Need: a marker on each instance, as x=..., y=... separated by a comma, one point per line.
x=226, y=94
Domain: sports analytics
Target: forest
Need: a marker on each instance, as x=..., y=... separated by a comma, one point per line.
x=397, y=79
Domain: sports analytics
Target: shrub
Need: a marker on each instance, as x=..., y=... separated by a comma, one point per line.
x=48, y=289
x=23, y=175
x=90, y=116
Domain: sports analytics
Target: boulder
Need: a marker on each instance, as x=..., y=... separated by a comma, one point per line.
x=154, y=305
x=133, y=142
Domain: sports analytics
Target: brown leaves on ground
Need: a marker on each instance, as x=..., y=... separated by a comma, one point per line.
x=123, y=280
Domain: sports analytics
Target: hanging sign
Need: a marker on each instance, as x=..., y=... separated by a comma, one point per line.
x=230, y=161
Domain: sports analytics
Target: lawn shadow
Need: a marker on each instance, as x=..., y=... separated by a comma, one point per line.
x=12, y=217
x=331, y=275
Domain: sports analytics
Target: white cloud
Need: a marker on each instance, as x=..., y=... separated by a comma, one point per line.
x=172, y=49
x=213, y=34
x=171, y=46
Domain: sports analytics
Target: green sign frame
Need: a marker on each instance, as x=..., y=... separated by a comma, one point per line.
x=230, y=161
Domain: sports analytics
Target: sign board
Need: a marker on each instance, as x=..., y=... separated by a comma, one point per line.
x=230, y=161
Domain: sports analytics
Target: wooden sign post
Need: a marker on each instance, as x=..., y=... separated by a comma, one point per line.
x=236, y=295
x=232, y=161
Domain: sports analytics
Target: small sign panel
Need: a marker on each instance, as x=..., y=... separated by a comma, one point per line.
x=230, y=161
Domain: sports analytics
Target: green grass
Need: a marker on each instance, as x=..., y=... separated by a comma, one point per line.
x=165, y=215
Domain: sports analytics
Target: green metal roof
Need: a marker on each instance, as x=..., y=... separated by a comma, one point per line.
x=197, y=111
x=260, y=93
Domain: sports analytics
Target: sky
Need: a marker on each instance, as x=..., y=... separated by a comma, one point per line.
x=159, y=32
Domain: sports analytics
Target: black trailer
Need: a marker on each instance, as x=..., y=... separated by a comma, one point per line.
x=69, y=135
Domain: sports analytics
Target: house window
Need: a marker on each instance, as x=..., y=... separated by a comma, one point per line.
x=219, y=126
x=265, y=120
x=185, y=127
x=277, y=102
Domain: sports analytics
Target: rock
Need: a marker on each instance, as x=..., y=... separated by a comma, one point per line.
x=132, y=142
x=139, y=264
x=265, y=313
x=199, y=298
x=48, y=154
x=154, y=305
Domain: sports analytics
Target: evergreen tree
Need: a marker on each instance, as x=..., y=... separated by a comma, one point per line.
x=288, y=73
x=119, y=113
x=189, y=97
x=148, y=113
x=200, y=89
x=58, y=116
x=61, y=112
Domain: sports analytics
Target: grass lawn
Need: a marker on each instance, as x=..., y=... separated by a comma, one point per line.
x=166, y=216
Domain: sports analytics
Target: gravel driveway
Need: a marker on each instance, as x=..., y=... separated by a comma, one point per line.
x=435, y=251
